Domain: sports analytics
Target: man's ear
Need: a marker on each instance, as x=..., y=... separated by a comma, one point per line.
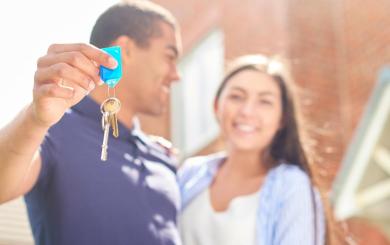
x=127, y=46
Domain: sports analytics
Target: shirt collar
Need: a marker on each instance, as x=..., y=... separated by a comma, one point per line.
x=215, y=161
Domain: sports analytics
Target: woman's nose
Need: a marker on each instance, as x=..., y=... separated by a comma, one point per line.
x=247, y=108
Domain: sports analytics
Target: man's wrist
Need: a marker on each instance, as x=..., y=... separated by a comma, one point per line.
x=32, y=120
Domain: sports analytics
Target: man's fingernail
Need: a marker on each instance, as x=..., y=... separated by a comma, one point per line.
x=101, y=82
x=113, y=62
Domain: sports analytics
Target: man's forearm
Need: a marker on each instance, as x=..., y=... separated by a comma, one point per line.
x=19, y=142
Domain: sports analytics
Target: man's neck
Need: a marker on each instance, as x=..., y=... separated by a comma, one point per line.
x=125, y=115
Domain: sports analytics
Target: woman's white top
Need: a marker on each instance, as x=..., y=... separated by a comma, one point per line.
x=200, y=224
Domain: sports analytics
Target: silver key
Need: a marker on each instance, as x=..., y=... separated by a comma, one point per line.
x=106, y=128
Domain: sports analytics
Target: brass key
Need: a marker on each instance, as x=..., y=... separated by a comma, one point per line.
x=112, y=105
x=114, y=125
x=109, y=108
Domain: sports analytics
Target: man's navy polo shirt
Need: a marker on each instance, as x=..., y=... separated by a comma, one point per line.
x=132, y=198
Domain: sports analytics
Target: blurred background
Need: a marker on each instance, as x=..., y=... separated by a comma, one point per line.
x=336, y=51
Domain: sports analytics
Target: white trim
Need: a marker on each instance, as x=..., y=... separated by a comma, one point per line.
x=382, y=158
x=348, y=202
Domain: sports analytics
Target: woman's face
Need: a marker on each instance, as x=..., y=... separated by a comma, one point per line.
x=249, y=111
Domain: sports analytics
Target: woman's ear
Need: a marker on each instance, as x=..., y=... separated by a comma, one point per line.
x=215, y=106
x=282, y=123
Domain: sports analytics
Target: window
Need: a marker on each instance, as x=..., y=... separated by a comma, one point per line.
x=193, y=122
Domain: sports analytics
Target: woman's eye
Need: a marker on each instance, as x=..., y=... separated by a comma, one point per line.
x=265, y=102
x=235, y=97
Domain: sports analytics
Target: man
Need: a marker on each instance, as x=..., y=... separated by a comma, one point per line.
x=51, y=152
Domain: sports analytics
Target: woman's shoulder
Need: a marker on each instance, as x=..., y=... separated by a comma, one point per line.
x=194, y=165
x=288, y=180
x=292, y=182
x=290, y=173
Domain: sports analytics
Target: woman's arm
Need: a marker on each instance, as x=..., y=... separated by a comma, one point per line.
x=301, y=216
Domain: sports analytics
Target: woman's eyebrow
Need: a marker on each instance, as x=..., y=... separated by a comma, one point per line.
x=238, y=89
x=266, y=93
x=259, y=94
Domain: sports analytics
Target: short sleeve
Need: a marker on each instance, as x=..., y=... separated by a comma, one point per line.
x=47, y=158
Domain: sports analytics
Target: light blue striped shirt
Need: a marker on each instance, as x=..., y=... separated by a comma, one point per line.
x=286, y=213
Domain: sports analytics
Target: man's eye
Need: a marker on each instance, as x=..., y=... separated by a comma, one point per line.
x=171, y=57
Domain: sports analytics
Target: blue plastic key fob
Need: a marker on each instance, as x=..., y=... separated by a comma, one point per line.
x=112, y=76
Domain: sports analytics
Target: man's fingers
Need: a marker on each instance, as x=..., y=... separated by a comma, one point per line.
x=55, y=91
x=66, y=89
x=76, y=59
x=93, y=53
x=59, y=71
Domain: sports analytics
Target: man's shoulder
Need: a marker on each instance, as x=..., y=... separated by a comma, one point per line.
x=163, y=145
x=72, y=131
x=70, y=119
x=63, y=127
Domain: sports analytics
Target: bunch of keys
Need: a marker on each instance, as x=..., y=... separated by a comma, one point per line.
x=111, y=106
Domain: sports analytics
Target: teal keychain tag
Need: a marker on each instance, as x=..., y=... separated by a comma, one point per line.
x=109, y=76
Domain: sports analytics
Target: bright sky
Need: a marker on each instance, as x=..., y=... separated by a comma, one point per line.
x=27, y=29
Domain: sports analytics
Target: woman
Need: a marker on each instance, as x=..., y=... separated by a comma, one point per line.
x=258, y=192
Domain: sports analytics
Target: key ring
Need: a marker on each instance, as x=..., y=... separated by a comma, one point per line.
x=112, y=100
x=108, y=92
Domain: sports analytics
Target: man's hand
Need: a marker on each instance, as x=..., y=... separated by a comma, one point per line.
x=64, y=76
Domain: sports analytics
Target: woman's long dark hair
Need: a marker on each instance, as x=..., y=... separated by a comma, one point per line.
x=287, y=144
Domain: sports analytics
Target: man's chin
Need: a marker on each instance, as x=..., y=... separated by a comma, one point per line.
x=157, y=111
x=162, y=111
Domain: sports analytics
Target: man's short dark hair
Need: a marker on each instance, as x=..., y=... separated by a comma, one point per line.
x=139, y=20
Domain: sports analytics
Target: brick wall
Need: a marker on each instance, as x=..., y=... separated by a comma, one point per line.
x=335, y=48
x=337, y=53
